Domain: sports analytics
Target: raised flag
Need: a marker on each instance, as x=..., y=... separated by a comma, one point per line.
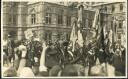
x=42, y=59
x=96, y=25
x=73, y=36
x=110, y=36
x=80, y=40
x=95, y=19
x=76, y=37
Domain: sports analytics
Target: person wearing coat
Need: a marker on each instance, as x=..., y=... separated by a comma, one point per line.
x=51, y=57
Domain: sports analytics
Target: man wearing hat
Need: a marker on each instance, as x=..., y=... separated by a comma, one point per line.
x=10, y=48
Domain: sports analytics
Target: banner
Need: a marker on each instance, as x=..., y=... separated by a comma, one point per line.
x=73, y=36
x=28, y=34
x=95, y=19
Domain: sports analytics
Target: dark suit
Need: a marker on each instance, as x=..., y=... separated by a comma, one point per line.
x=51, y=58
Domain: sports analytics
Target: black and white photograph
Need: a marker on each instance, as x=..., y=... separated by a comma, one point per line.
x=64, y=39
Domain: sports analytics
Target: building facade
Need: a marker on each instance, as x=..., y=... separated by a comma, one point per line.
x=115, y=19
x=52, y=21
x=14, y=19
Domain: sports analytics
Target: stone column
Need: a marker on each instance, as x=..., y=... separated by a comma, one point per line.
x=5, y=20
x=22, y=19
x=19, y=33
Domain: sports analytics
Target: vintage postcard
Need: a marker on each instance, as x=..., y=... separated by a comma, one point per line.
x=64, y=39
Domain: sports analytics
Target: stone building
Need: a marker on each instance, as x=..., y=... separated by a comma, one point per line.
x=52, y=21
x=14, y=19
x=115, y=19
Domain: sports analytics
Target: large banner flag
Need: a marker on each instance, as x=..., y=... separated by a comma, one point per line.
x=76, y=37
x=42, y=59
x=80, y=39
x=95, y=19
x=73, y=36
x=96, y=24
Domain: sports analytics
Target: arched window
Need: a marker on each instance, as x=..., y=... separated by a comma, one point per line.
x=33, y=16
x=121, y=7
x=60, y=19
x=120, y=25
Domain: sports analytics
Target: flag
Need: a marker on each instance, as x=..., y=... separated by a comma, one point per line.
x=42, y=59
x=110, y=36
x=73, y=36
x=96, y=24
x=80, y=39
x=114, y=29
x=76, y=37
x=95, y=19
x=123, y=39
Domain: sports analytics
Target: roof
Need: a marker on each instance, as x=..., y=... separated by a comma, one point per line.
x=109, y=3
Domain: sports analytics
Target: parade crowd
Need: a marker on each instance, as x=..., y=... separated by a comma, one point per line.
x=35, y=58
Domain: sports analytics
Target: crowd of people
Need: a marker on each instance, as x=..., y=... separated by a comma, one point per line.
x=26, y=58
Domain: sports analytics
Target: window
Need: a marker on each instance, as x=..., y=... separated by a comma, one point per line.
x=90, y=23
x=14, y=4
x=67, y=36
x=121, y=7
x=120, y=25
x=119, y=36
x=10, y=19
x=50, y=36
x=33, y=18
x=68, y=20
x=48, y=18
x=111, y=24
x=60, y=19
x=113, y=8
x=14, y=20
x=105, y=9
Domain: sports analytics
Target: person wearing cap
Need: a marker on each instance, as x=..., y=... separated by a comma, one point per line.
x=51, y=56
x=117, y=63
x=67, y=57
x=10, y=48
x=30, y=54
